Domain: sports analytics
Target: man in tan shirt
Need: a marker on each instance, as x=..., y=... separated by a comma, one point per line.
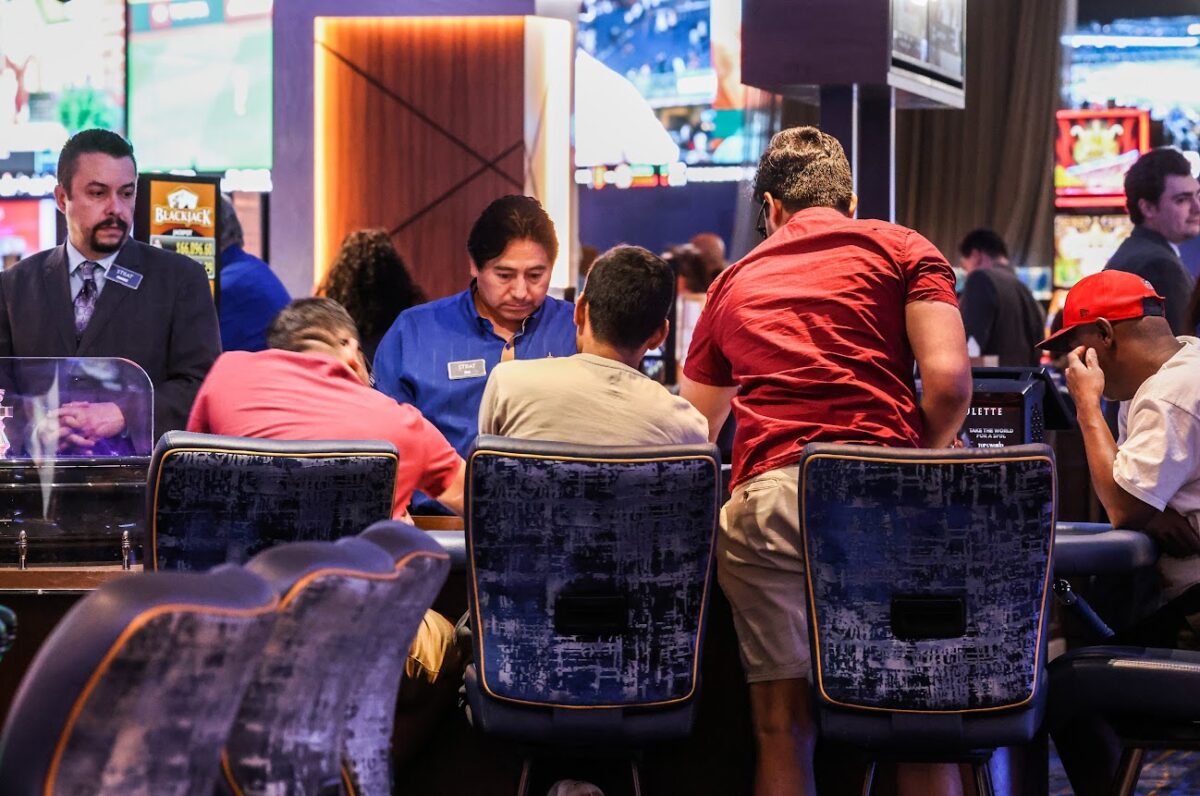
x=598, y=396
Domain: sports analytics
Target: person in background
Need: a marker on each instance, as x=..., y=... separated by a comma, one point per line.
x=1122, y=349
x=437, y=356
x=1163, y=200
x=815, y=333
x=691, y=268
x=251, y=293
x=999, y=312
x=712, y=248
x=368, y=277
x=621, y=314
x=104, y=294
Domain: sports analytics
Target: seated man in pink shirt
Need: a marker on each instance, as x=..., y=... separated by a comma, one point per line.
x=313, y=383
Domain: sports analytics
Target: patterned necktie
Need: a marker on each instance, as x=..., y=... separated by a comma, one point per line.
x=85, y=300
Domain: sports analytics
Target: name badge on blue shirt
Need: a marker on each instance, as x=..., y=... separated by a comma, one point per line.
x=467, y=369
x=123, y=276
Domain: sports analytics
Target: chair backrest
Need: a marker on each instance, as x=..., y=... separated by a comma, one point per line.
x=212, y=499
x=287, y=736
x=136, y=688
x=421, y=567
x=927, y=575
x=8, y=629
x=589, y=570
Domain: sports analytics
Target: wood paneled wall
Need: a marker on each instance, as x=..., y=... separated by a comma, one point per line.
x=418, y=126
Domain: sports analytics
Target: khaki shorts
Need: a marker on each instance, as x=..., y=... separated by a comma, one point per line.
x=760, y=567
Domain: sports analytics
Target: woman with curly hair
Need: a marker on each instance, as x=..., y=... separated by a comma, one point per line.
x=369, y=279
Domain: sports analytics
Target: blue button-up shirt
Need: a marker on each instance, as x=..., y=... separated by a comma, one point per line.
x=430, y=344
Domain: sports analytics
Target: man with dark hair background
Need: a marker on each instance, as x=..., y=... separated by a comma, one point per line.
x=1163, y=200
x=103, y=294
x=598, y=396
x=998, y=310
x=815, y=334
x=251, y=294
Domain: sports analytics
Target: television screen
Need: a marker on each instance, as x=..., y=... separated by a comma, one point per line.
x=62, y=70
x=1092, y=152
x=200, y=84
x=659, y=82
x=1152, y=64
x=1084, y=243
x=928, y=36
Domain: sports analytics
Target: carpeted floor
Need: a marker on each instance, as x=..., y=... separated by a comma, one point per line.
x=1163, y=774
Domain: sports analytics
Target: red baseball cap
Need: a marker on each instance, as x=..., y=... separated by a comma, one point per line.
x=1112, y=295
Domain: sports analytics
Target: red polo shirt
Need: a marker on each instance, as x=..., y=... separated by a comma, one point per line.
x=289, y=395
x=810, y=328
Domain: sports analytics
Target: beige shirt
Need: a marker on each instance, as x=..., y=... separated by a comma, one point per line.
x=1158, y=455
x=587, y=400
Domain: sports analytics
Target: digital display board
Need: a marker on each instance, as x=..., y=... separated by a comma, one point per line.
x=1092, y=152
x=179, y=214
x=62, y=70
x=200, y=84
x=1083, y=244
x=659, y=82
x=929, y=36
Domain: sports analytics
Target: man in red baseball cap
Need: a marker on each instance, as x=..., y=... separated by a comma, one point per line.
x=1121, y=348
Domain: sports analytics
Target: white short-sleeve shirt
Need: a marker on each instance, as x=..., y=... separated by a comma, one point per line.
x=1158, y=454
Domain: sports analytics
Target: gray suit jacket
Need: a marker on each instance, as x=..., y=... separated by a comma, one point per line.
x=1150, y=256
x=168, y=325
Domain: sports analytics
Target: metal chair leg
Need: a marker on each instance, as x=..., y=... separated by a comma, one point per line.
x=869, y=779
x=1128, y=771
x=983, y=778
x=637, y=779
x=523, y=783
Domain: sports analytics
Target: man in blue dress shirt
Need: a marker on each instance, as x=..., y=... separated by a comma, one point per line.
x=437, y=356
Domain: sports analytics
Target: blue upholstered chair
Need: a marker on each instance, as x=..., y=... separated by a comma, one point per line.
x=212, y=499
x=1150, y=698
x=135, y=690
x=928, y=578
x=589, y=571
x=288, y=734
x=421, y=567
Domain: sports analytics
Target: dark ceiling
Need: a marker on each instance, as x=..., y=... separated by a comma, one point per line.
x=1107, y=10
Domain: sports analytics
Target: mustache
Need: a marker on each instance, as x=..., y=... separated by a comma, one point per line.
x=113, y=222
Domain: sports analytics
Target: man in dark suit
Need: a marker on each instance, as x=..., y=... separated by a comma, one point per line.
x=1163, y=199
x=103, y=294
x=999, y=312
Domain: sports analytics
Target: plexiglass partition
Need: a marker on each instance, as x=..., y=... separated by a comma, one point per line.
x=75, y=440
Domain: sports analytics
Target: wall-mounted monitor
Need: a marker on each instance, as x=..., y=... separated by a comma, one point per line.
x=27, y=226
x=200, y=84
x=1083, y=244
x=1092, y=152
x=62, y=70
x=929, y=38
x=658, y=82
x=1152, y=64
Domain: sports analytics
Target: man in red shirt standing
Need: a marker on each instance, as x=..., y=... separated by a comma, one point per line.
x=812, y=337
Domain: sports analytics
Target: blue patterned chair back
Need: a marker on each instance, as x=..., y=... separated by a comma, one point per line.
x=288, y=734
x=928, y=575
x=421, y=568
x=212, y=499
x=135, y=690
x=589, y=572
